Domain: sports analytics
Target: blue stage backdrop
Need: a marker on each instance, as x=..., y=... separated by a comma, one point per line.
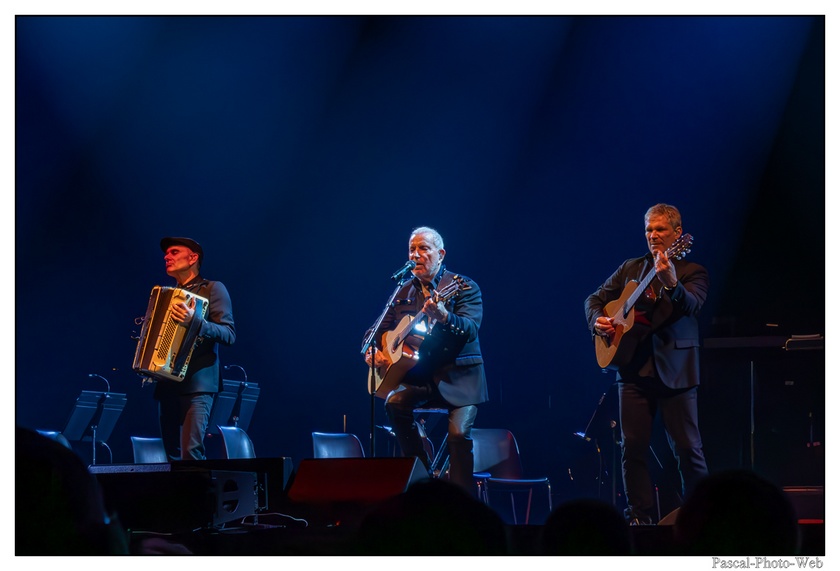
x=301, y=151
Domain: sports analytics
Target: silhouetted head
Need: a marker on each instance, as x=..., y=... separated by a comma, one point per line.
x=586, y=527
x=59, y=509
x=433, y=517
x=737, y=513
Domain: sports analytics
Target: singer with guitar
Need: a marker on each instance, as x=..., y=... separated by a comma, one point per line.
x=442, y=366
x=660, y=372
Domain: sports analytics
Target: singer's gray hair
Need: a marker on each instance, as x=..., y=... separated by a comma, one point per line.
x=437, y=239
x=666, y=210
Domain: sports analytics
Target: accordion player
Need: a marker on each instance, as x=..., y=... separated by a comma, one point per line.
x=165, y=347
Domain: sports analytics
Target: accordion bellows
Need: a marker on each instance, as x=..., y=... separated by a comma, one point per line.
x=165, y=347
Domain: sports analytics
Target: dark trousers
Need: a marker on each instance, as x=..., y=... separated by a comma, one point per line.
x=638, y=404
x=183, y=423
x=400, y=406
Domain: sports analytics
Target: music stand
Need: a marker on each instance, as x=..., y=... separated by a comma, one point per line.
x=93, y=418
x=234, y=405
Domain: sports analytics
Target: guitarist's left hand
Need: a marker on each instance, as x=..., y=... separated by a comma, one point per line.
x=435, y=310
x=665, y=270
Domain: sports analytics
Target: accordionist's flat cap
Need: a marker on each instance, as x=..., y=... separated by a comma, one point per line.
x=165, y=243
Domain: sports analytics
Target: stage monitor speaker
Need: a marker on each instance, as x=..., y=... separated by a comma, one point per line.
x=670, y=518
x=808, y=502
x=273, y=475
x=354, y=480
x=154, y=497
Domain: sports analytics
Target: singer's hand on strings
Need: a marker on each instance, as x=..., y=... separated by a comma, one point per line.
x=435, y=310
x=665, y=270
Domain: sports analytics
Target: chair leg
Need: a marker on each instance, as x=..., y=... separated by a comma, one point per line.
x=440, y=462
x=548, y=491
x=528, y=509
x=513, y=508
x=482, y=491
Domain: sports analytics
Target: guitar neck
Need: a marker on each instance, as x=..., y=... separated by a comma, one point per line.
x=631, y=301
x=677, y=251
x=444, y=295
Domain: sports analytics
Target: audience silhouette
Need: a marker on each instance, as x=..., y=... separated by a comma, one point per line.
x=737, y=512
x=59, y=509
x=433, y=517
x=586, y=527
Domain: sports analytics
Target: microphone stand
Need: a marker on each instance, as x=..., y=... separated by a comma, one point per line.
x=586, y=438
x=370, y=343
x=93, y=427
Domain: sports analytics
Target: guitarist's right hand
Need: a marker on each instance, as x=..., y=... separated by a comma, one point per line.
x=604, y=326
x=380, y=358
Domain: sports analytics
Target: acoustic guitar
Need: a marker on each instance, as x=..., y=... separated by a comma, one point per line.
x=401, y=346
x=617, y=350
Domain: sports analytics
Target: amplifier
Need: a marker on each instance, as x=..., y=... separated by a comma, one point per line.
x=156, y=497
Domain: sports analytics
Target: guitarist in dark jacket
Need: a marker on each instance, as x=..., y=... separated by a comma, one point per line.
x=662, y=371
x=449, y=372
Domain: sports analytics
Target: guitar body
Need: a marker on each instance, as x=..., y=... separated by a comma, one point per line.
x=620, y=349
x=402, y=356
x=401, y=346
x=614, y=352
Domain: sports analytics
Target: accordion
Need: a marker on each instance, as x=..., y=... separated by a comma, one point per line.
x=165, y=346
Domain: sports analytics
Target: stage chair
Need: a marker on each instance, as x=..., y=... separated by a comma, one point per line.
x=497, y=468
x=426, y=421
x=148, y=450
x=57, y=436
x=394, y=447
x=236, y=443
x=336, y=445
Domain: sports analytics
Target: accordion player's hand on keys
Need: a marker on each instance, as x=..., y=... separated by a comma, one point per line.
x=169, y=334
x=183, y=313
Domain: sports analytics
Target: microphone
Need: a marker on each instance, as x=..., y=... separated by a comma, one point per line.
x=103, y=378
x=407, y=267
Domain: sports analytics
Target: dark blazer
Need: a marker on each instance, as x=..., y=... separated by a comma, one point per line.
x=674, y=337
x=451, y=354
x=203, y=374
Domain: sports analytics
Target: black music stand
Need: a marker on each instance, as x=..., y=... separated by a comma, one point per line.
x=93, y=418
x=234, y=405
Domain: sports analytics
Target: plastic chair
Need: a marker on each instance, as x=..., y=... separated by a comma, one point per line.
x=236, y=443
x=497, y=468
x=148, y=450
x=57, y=436
x=336, y=445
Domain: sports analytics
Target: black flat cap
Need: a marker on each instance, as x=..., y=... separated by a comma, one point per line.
x=165, y=243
